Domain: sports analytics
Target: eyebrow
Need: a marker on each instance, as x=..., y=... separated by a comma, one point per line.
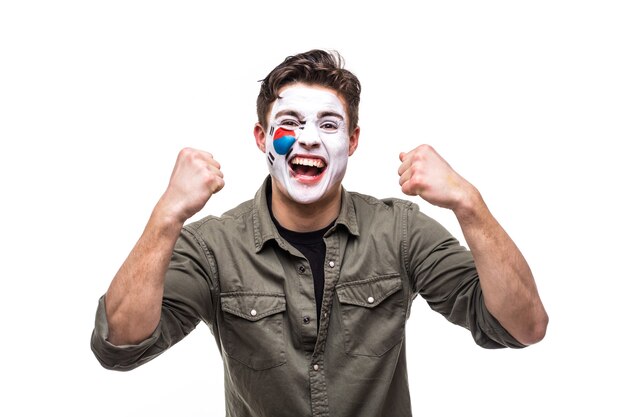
x=300, y=116
x=327, y=113
x=289, y=113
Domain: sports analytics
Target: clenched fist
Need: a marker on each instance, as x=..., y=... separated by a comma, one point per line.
x=195, y=178
x=425, y=173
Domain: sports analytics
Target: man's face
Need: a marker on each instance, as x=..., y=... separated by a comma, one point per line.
x=307, y=142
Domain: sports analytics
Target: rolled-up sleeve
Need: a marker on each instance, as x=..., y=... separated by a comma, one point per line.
x=444, y=274
x=187, y=300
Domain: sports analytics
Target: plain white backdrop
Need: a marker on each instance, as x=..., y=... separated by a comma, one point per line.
x=527, y=100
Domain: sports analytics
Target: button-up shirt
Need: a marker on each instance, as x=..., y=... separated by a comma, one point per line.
x=255, y=292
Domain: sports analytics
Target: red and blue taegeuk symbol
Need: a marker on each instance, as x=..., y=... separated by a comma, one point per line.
x=283, y=140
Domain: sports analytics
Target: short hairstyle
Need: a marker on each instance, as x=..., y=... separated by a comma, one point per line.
x=315, y=67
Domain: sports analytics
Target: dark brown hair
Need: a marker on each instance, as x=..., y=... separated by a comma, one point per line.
x=315, y=67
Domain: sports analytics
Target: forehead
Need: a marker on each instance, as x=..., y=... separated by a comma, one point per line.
x=308, y=100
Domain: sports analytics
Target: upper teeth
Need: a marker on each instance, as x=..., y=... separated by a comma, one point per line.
x=311, y=162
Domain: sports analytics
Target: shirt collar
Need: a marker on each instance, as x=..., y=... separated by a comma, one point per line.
x=265, y=230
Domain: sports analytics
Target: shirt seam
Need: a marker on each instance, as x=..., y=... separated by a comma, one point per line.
x=404, y=240
x=212, y=271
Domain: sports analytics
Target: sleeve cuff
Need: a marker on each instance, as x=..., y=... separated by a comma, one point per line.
x=122, y=357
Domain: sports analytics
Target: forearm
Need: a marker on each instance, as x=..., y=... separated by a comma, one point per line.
x=133, y=300
x=508, y=286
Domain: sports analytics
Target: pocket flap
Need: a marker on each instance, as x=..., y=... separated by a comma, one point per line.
x=369, y=292
x=253, y=306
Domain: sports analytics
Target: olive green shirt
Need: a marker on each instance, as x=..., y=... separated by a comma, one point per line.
x=255, y=292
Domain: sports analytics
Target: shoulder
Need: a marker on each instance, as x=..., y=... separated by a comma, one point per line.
x=230, y=224
x=364, y=202
x=375, y=215
x=403, y=215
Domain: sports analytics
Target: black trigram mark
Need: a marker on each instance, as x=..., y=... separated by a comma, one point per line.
x=272, y=131
x=271, y=158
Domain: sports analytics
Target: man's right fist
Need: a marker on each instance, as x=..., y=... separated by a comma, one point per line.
x=195, y=178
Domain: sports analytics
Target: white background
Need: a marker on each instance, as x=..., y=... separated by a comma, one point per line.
x=525, y=99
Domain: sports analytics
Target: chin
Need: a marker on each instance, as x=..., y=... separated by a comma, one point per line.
x=304, y=195
x=309, y=194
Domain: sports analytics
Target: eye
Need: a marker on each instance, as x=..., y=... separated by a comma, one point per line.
x=290, y=123
x=329, y=126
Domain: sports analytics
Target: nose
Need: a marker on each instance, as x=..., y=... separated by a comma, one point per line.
x=309, y=137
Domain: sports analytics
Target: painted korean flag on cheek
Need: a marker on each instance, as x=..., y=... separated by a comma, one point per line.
x=283, y=140
x=308, y=142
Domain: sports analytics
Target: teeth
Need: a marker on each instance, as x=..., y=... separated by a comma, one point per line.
x=310, y=162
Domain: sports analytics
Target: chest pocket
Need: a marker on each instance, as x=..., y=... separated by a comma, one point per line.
x=253, y=333
x=372, y=314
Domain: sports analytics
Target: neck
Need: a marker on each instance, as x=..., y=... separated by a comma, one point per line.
x=305, y=217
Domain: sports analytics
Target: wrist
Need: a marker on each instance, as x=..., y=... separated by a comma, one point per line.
x=470, y=206
x=167, y=220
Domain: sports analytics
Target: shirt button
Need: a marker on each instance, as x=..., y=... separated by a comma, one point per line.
x=370, y=300
x=301, y=269
x=253, y=313
x=331, y=264
x=306, y=319
x=316, y=367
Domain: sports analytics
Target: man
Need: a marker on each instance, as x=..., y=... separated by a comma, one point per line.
x=307, y=287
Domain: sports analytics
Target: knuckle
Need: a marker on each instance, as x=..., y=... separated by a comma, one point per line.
x=415, y=182
x=216, y=184
x=210, y=177
x=424, y=148
x=422, y=151
x=406, y=189
x=214, y=177
x=185, y=152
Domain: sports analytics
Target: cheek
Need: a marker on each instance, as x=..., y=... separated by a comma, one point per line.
x=336, y=145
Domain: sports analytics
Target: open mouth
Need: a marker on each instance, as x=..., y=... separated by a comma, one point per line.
x=308, y=166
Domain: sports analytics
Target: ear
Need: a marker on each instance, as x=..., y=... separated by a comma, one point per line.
x=259, y=136
x=354, y=140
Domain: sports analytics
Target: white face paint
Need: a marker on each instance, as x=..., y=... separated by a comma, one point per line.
x=308, y=142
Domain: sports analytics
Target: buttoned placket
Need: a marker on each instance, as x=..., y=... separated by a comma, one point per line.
x=307, y=326
x=308, y=311
x=317, y=377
